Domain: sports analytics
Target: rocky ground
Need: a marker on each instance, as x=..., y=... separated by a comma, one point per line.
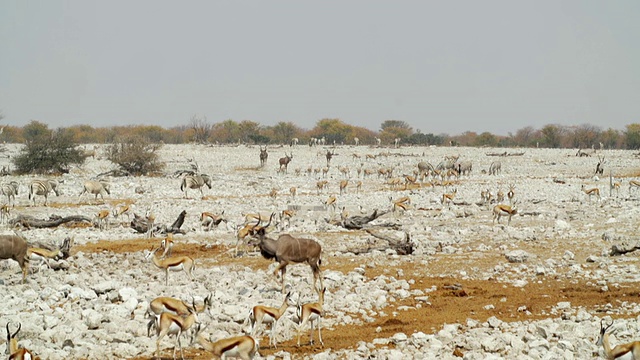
x=537, y=288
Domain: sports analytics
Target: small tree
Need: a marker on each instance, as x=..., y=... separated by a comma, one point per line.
x=202, y=129
x=47, y=151
x=135, y=155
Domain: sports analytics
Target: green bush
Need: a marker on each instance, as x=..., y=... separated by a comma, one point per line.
x=47, y=151
x=135, y=155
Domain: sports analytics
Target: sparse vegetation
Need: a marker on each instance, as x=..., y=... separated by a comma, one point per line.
x=135, y=155
x=47, y=151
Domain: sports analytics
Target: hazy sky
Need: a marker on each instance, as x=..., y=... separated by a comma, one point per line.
x=441, y=66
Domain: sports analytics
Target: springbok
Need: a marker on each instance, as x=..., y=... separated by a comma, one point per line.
x=619, y=351
x=244, y=347
x=311, y=313
x=288, y=249
x=261, y=314
x=15, y=352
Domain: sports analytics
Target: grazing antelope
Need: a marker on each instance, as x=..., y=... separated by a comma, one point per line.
x=209, y=219
x=311, y=313
x=284, y=162
x=176, y=263
x=288, y=249
x=102, y=219
x=174, y=306
x=43, y=188
x=10, y=190
x=263, y=156
x=511, y=193
x=448, y=197
x=261, y=314
x=591, y=192
x=619, y=351
x=15, y=247
x=170, y=324
x=123, y=209
x=503, y=210
x=633, y=184
x=244, y=347
x=41, y=255
x=343, y=186
x=15, y=352
x=401, y=204
x=96, y=188
x=195, y=182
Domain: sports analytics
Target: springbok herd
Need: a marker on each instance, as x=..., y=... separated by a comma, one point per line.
x=276, y=215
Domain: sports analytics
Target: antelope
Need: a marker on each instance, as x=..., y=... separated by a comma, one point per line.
x=174, y=306
x=311, y=313
x=320, y=185
x=378, y=141
x=367, y=172
x=325, y=171
x=285, y=217
x=284, y=162
x=616, y=187
x=343, y=186
x=619, y=351
x=166, y=245
x=401, y=204
x=409, y=180
x=96, y=188
x=358, y=186
x=495, y=168
x=15, y=247
x=249, y=229
x=503, y=210
x=244, y=347
x=511, y=193
x=288, y=249
x=370, y=157
x=448, y=197
x=102, y=219
x=210, y=219
x=123, y=209
x=486, y=196
x=331, y=202
x=263, y=156
x=500, y=196
x=42, y=187
x=633, y=184
x=591, y=192
x=15, y=352
x=151, y=219
x=273, y=193
x=10, y=190
x=170, y=324
x=396, y=142
x=292, y=192
x=329, y=156
x=344, y=170
x=356, y=141
x=195, y=182
x=600, y=166
x=261, y=314
x=43, y=255
x=5, y=211
x=175, y=263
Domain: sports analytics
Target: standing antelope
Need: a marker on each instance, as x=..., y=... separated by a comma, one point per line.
x=343, y=186
x=503, y=210
x=170, y=324
x=43, y=188
x=600, y=166
x=244, y=347
x=331, y=202
x=311, y=313
x=616, y=187
x=448, y=197
x=102, y=219
x=263, y=156
x=284, y=162
x=195, y=182
x=15, y=247
x=591, y=192
x=209, y=219
x=10, y=190
x=356, y=141
x=292, y=192
x=261, y=314
x=174, y=306
x=619, y=351
x=15, y=352
x=176, y=263
x=96, y=188
x=511, y=193
x=288, y=249
x=495, y=168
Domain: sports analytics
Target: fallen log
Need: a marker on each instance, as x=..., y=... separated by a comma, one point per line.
x=402, y=246
x=141, y=225
x=624, y=247
x=357, y=222
x=27, y=221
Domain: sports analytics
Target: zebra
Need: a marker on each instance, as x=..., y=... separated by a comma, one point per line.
x=495, y=168
x=195, y=182
x=96, y=188
x=10, y=190
x=42, y=187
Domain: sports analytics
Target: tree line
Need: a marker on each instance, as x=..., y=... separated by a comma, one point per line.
x=335, y=131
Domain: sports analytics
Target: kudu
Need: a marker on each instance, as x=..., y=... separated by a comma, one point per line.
x=263, y=156
x=15, y=247
x=288, y=249
x=284, y=162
